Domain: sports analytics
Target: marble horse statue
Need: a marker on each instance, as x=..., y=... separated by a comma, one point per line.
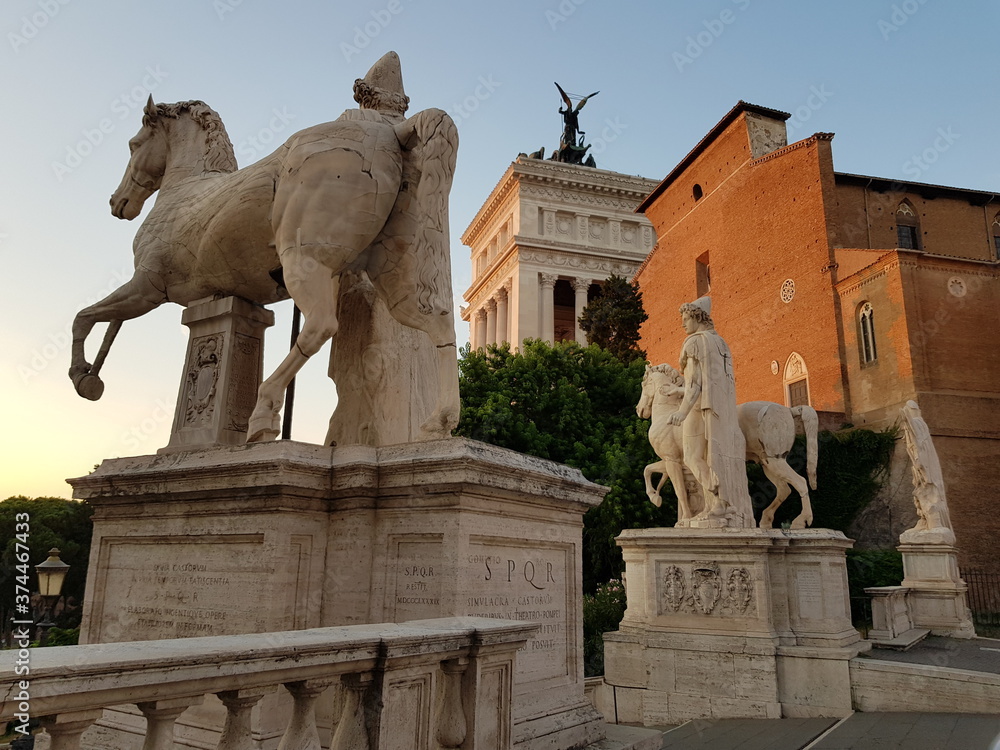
x=769, y=430
x=365, y=193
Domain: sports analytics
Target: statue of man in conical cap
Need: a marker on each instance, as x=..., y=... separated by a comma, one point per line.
x=714, y=447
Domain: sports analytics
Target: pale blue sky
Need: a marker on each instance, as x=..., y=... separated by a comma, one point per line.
x=883, y=76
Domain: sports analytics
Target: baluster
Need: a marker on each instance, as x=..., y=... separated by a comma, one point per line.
x=352, y=731
x=451, y=726
x=302, y=733
x=65, y=729
x=237, y=734
x=160, y=718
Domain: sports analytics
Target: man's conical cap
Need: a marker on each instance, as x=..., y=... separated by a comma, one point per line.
x=704, y=303
x=386, y=74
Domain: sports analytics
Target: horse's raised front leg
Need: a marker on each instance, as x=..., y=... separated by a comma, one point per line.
x=653, y=493
x=132, y=299
x=315, y=292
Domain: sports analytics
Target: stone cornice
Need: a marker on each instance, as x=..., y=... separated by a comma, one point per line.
x=619, y=191
x=916, y=260
x=815, y=137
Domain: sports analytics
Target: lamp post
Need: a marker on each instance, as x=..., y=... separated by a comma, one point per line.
x=51, y=575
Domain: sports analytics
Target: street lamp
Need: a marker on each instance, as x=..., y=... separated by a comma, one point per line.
x=51, y=575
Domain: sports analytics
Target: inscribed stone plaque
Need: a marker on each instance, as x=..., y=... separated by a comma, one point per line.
x=174, y=587
x=511, y=580
x=809, y=593
x=244, y=381
x=418, y=571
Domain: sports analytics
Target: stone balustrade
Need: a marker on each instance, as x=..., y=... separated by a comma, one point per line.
x=442, y=683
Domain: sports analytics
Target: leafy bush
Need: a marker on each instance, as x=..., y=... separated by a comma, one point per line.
x=602, y=612
x=63, y=637
x=574, y=405
x=870, y=567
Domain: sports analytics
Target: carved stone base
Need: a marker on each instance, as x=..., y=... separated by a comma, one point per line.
x=937, y=593
x=732, y=623
x=284, y=535
x=222, y=371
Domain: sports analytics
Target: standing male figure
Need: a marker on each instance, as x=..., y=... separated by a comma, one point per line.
x=714, y=447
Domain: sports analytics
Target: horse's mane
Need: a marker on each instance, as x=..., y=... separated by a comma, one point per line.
x=219, y=154
x=675, y=377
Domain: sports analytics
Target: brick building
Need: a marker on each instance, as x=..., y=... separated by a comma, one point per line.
x=848, y=292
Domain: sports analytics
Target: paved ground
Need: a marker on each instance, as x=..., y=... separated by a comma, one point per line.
x=978, y=654
x=869, y=731
x=885, y=731
x=746, y=734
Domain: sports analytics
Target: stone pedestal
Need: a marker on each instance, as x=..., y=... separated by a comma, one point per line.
x=891, y=623
x=222, y=371
x=937, y=593
x=732, y=623
x=285, y=535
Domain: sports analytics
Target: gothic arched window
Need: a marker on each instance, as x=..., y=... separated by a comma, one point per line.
x=907, y=227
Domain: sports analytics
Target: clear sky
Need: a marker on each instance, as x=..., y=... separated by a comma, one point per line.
x=887, y=77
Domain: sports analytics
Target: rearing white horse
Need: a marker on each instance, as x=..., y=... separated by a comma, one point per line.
x=769, y=430
x=367, y=192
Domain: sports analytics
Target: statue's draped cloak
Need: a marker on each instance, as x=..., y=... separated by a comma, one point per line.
x=726, y=454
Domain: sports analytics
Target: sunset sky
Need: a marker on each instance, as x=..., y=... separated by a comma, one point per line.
x=889, y=78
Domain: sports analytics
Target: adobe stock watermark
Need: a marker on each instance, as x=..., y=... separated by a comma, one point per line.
x=818, y=96
x=714, y=28
x=256, y=145
x=609, y=134
x=562, y=12
x=33, y=24
x=463, y=110
x=366, y=32
x=45, y=354
x=917, y=164
x=140, y=433
x=224, y=7
x=899, y=17
x=122, y=105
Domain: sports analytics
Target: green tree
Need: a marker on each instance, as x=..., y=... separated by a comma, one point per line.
x=574, y=405
x=52, y=522
x=612, y=320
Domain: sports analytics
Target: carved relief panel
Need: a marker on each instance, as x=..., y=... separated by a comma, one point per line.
x=705, y=588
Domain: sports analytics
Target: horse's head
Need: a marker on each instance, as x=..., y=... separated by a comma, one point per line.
x=188, y=138
x=146, y=166
x=660, y=383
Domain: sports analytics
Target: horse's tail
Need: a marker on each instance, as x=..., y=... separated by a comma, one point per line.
x=810, y=424
x=435, y=149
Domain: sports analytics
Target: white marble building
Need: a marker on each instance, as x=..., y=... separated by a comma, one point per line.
x=543, y=241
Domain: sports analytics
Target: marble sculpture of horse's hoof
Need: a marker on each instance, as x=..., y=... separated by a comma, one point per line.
x=655, y=499
x=801, y=522
x=263, y=428
x=91, y=387
x=438, y=426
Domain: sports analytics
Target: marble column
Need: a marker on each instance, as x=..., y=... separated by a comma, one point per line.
x=502, y=296
x=581, y=287
x=480, y=316
x=491, y=321
x=546, y=286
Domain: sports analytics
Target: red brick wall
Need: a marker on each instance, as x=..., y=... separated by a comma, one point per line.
x=866, y=218
x=761, y=223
